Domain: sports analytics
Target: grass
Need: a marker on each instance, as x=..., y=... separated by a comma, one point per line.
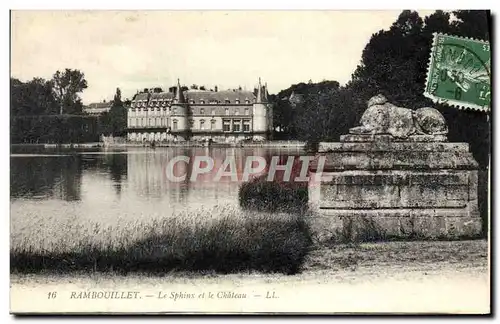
x=235, y=241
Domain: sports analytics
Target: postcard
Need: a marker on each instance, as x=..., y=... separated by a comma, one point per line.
x=250, y=162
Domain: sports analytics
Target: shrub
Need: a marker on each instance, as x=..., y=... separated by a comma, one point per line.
x=230, y=243
x=273, y=196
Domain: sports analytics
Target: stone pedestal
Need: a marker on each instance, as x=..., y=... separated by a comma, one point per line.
x=378, y=187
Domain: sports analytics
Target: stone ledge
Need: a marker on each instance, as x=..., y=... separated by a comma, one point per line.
x=390, y=138
x=364, y=227
x=396, y=160
x=327, y=147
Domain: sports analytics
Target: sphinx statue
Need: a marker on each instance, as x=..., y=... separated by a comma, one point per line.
x=382, y=117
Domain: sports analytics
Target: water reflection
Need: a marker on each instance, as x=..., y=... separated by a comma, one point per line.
x=48, y=176
x=130, y=182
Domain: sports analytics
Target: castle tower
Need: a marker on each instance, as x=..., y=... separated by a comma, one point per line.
x=179, y=114
x=260, y=118
x=269, y=113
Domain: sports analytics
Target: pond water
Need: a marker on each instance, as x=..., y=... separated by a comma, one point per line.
x=101, y=186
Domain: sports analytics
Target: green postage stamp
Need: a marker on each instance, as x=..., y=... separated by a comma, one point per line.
x=459, y=72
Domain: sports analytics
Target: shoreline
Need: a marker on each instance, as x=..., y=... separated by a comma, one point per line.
x=270, y=144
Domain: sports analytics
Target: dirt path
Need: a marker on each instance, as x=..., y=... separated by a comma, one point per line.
x=411, y=277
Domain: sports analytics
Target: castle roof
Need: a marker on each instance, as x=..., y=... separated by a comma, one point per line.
x=179, y=96
x=206, y=95
x=99, y=105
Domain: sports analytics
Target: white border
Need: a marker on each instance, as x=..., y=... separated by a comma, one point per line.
x=186, y=4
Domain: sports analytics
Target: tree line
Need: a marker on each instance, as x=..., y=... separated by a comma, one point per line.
x=51, y=111
x=393, y=63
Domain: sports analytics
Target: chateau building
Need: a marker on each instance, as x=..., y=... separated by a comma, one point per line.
x=97, y=108
x=222, y=116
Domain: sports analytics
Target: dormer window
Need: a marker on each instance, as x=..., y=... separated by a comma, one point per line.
x=247, y=100
x=237, y=101
x=163, y=103
x=202, y=101
x=191, y=101
x=227, y=101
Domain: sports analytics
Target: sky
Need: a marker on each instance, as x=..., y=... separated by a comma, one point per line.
x=134, y=50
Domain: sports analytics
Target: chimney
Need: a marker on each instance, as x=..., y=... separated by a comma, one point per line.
x=216, y=88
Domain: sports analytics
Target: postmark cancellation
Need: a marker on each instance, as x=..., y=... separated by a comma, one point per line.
x=459, y=72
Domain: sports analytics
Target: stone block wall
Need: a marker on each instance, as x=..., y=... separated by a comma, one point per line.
x=381, y=188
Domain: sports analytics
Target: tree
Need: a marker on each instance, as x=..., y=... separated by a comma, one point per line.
x=67, y=85
x=117, y=115
x=34, y=97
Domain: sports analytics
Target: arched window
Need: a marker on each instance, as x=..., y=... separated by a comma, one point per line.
x=212, y=124
x=202, y=111
x=202, y=124
x=174, y=124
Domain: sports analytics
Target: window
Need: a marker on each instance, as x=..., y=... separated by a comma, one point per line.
x=236, y=112
x=202, y=124
x=226, y=125
x=227, y=101
x=237, y=101
x=151, y=121
x=227, y=111
x=213, y=112
x=202, y=111
x=247, y=101
x=247, y=112
x=143, y=122
x=157, y=121
x=174, y=110
x=246, y=125
x=174, y=124
x=202, y=101
x=191, y=101
x=236, y=125
x=212, y=124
